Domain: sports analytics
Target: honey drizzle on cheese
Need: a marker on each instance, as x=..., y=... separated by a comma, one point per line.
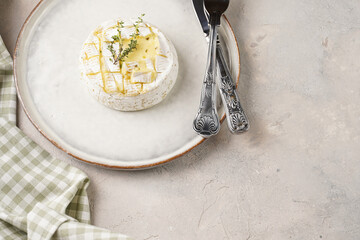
x=96, y=33
x=122, y=83
x=145, y=50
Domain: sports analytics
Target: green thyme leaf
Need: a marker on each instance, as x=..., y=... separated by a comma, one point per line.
x=123, y=53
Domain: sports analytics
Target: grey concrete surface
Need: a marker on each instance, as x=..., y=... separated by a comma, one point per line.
x=295, y=175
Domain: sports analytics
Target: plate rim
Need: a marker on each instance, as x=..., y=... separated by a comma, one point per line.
x=109, y=166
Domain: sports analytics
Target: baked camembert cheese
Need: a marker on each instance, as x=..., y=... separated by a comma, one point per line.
x=128, y=65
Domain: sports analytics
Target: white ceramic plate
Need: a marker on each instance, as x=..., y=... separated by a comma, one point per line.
x=58, y=104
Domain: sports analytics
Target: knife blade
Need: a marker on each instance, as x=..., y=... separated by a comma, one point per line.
x=237, y=120
x=200, y=12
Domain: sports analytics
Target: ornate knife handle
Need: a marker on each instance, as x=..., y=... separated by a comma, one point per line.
x=235, y=115
x=206, y=122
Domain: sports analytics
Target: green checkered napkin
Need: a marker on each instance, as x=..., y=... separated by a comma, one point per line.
x=40, y=196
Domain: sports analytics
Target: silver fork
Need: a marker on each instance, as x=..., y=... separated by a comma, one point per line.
x=206, y=119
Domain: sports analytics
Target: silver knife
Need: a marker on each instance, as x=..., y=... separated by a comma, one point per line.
x=236, y=118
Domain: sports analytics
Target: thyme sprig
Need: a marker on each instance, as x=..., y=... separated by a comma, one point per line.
x=124, y=53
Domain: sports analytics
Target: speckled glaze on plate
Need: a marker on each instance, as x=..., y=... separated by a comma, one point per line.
x=58, y=104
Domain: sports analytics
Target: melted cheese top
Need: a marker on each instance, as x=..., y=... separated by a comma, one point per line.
x=138, y=72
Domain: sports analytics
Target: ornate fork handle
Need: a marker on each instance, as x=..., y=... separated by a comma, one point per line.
x=235, y=115
x=206, y=122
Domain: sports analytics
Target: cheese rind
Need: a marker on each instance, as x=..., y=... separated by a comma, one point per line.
x=144, y=79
